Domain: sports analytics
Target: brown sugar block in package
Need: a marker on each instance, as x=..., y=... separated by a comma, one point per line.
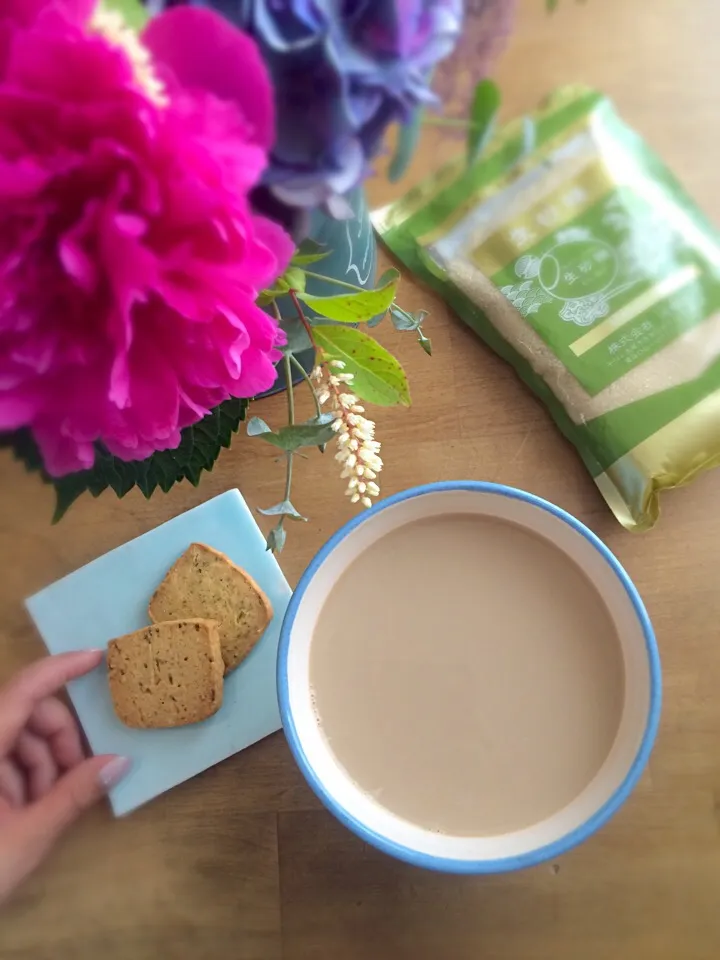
x=575, y=254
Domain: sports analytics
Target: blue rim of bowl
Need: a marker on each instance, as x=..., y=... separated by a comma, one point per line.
x=448, y=864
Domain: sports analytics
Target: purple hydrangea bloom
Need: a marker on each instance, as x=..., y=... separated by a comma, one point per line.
x=342, y=70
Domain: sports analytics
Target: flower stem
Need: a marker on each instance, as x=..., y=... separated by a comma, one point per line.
x=291, y=421
x=301, y=369
x=303, y=319
x=338, y=283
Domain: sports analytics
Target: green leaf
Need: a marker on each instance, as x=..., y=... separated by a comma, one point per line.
x=297, y=336
x=312, y=433
x=425, y=342
x=403, y=320
x=407, y=141
x=133, y=12
x=378, y=376
x=256, y=427
x=275, y=540
x=198, y=450
x=484, y=110
x=309, y=252
x=391, y=275
x=294, y=277
x=282, y=509
x=551, y=5
x=354, y=307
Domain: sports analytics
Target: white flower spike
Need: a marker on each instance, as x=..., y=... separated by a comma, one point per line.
x=357, y=450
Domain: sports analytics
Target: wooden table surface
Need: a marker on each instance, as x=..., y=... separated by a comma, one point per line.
x=242, y=863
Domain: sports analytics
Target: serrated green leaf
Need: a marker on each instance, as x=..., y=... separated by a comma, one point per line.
x=198, y=450
x=133, y=12
x=282, y=509
x=377, y=376
x=483, y=112
x=407, y=141
x=67, y=491
x=353, y=307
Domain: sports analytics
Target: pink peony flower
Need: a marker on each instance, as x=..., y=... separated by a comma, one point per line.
x=130, y=259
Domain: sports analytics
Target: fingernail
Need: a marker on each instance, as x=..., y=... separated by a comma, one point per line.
x=113, y=771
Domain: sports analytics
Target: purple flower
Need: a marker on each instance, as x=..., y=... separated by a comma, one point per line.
x=342, y=71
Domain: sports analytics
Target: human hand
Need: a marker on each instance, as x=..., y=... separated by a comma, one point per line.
x=45, y=780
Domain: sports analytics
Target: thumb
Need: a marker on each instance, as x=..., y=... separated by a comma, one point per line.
x=42, y=823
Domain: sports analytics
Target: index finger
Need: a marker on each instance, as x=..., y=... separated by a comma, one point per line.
x=41, y=679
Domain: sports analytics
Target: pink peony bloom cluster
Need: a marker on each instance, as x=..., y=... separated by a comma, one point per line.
x=130, y=258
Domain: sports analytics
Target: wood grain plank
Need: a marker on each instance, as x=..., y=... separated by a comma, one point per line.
x=196, y=874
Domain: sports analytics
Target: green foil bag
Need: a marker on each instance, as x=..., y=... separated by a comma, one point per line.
x=578, y=258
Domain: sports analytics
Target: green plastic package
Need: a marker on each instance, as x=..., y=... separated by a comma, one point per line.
x=578, y=258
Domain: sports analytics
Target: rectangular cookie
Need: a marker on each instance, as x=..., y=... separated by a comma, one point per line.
x=166, y=675
x=205, y=583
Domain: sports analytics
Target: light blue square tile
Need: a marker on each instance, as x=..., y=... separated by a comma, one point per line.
x=109, y=597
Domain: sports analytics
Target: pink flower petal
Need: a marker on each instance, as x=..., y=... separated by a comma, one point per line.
x=62, y=455
x=271, y=254
x=25, y=12
x=257, y=375
x=205, y=52
x=21, y=178
x=130, y=259
x=17, y=410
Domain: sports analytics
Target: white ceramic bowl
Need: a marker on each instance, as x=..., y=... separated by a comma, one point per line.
x=365, y=816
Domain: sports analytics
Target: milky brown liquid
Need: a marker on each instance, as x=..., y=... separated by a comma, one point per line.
x=467, y=675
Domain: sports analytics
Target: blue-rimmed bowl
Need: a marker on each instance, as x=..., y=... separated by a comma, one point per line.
x=628, y=756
